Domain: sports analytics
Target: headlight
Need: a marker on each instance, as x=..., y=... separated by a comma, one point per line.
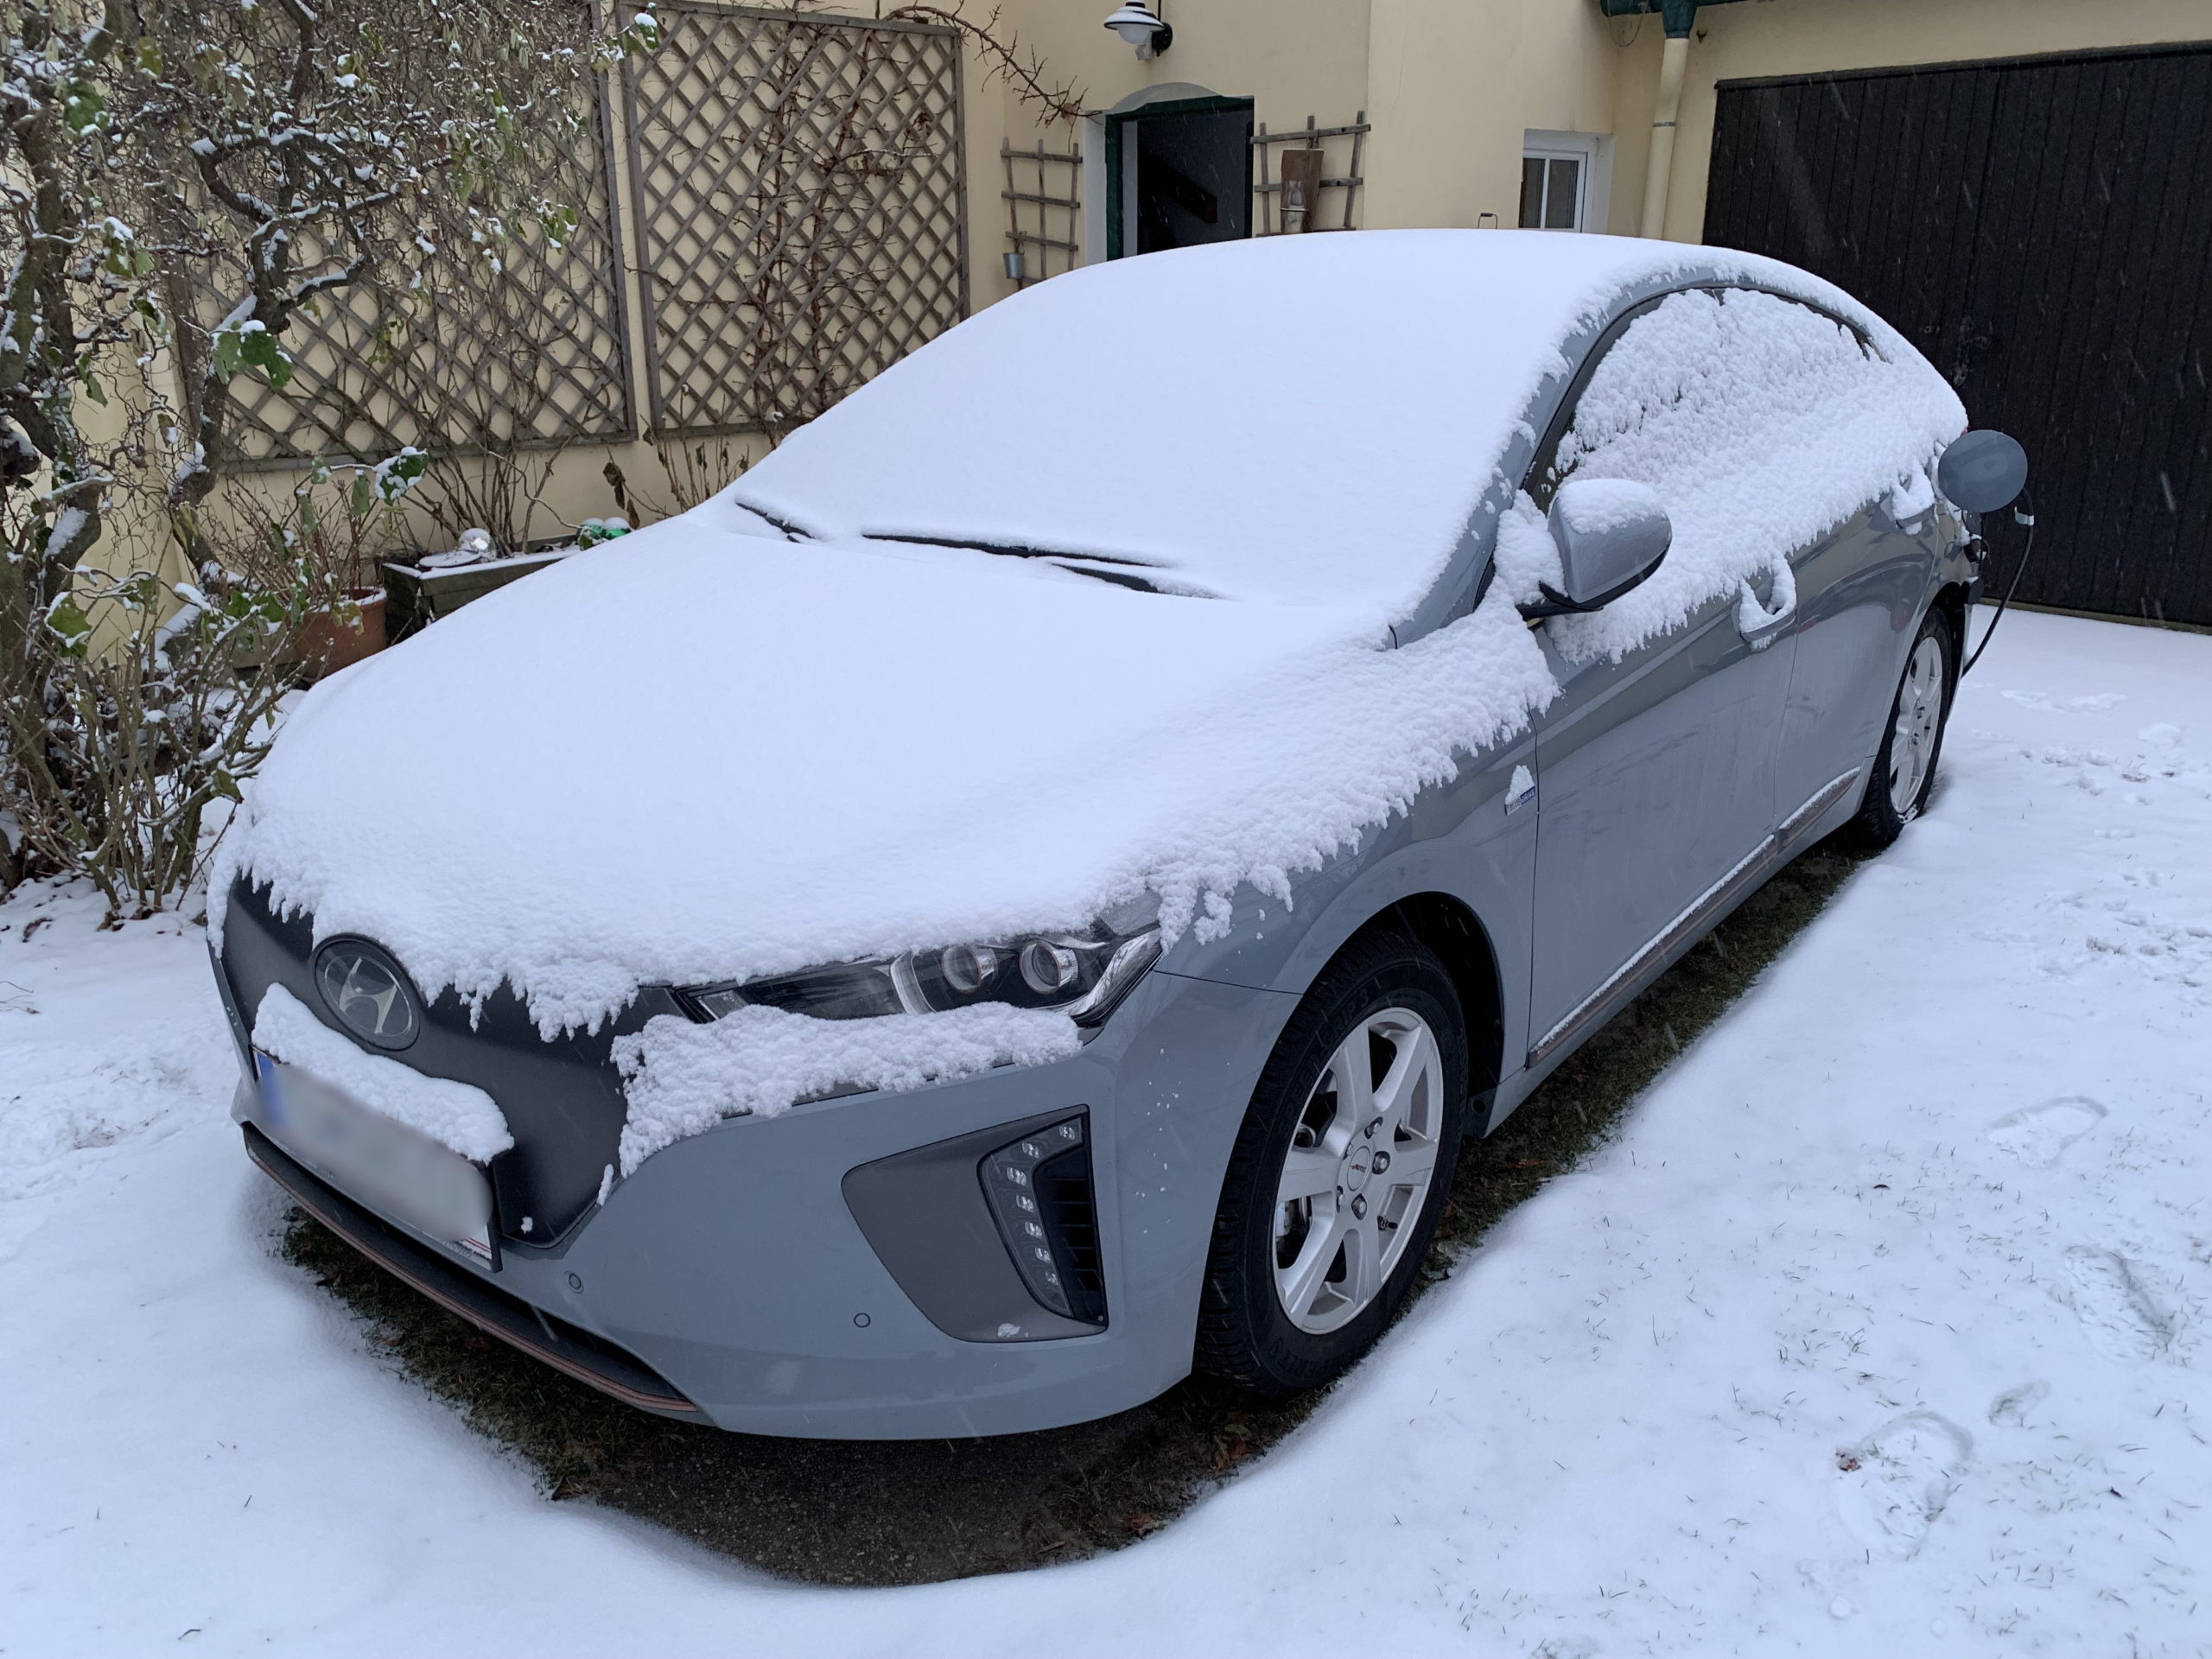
x=1080, y=974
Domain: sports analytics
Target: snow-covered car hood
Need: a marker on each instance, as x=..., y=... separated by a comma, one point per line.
x=698, y=754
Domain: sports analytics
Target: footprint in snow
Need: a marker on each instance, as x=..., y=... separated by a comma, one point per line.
x=2095, y=704
x=2039, y=1135
x=2121, y=1317
x=1899, y=1478
x=2010, y=1409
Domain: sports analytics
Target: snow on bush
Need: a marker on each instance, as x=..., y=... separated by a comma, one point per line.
x=785, y=729
x=682, y=1078
x=454, y=1114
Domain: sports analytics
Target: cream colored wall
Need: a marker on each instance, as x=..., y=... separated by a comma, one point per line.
x=1293, y=58
x=1791, y=37
x=1454, y=84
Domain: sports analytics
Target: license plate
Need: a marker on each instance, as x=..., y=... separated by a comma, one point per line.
x=369, y=1156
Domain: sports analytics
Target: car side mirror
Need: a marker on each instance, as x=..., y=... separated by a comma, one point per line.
x=1982, y=472
x=1612, y=535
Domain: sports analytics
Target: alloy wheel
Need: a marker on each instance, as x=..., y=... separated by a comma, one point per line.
x=1358, y=1170
x=1912, y=735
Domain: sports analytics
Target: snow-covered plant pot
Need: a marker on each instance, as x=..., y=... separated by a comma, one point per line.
x=420, y=595
x=340, y=637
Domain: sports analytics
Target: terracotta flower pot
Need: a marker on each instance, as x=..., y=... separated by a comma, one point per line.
x=330, y=641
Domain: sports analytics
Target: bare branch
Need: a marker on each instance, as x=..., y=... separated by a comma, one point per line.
x=1001, y=49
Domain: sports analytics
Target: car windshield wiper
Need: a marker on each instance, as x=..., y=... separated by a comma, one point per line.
x=792, y=533
x=1122, y=572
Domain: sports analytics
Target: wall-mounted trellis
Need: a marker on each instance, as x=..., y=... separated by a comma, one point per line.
x=796, y=187
x=525, y=348
x=1348, y=182
x=1053, y=207
x=797, y=224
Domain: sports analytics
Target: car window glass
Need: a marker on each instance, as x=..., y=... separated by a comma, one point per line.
x=1693, y=387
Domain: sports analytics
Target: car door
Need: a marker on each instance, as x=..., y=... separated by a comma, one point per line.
x=1657, y=763
x=1655, y=791
x=1859, y=591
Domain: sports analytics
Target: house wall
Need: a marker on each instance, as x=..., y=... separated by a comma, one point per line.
x=1293, y=58
x=1454, y=84
x=1449, y=86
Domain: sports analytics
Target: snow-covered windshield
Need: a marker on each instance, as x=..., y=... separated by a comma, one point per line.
x=1308, y=421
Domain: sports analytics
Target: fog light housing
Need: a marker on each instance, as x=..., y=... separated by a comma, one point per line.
x=1040, y=1194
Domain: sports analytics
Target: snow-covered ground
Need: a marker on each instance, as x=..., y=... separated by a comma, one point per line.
x=1881, y=1328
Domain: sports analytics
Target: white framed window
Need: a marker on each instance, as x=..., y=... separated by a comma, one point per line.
x=1566, y=180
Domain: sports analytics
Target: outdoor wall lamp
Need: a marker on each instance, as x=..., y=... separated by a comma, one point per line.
x=1140, y=25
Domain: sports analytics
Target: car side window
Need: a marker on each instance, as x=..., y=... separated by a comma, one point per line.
x=1686, y=389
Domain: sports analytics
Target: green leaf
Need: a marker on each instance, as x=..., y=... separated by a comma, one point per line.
x=259, y=349
x=81, y=109
x=68, y=620
x=395, y=475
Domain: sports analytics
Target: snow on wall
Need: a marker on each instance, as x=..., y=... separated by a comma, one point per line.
x=454, y=1114
x=682, y=1079
x=707, y=752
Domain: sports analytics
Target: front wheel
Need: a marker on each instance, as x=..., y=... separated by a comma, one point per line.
x=1339, y=1172
x=1904, y=766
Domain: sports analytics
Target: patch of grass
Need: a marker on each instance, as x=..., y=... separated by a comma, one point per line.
x=885, y=1513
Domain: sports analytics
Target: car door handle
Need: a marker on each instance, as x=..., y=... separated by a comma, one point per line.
x=1760, y=626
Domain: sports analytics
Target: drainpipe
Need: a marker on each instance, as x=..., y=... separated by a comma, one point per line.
x=1678, y=17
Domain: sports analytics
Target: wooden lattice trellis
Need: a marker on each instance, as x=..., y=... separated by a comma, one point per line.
x=1055, y=205
x=796, y=185
x=1311, y=137
x=526, y=348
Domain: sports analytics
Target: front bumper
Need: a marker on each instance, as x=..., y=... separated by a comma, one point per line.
x=730, y=1275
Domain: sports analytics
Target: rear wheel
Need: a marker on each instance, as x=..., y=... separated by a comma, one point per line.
x=1339, y=1172
x=1904, y=766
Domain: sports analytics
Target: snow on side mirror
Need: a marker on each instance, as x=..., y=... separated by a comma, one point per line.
x=1611, y=534
x=1982, y=472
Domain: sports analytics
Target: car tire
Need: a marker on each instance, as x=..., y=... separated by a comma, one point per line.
x=1912, y=740
x=1311, y=1261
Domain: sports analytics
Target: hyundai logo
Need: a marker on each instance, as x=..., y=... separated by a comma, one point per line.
x=365, y=989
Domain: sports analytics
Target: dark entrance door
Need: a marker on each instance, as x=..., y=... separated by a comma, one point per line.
x=2040, y=228
x=1177, y=174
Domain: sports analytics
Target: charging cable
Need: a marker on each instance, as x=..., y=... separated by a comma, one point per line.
x=2022, y=514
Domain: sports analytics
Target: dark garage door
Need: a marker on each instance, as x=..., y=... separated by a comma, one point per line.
x=2042, y=229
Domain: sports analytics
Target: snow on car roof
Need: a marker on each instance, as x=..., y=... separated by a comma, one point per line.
x=1295, y=419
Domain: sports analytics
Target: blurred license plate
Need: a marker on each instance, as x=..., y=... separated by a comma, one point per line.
x=375, y=1159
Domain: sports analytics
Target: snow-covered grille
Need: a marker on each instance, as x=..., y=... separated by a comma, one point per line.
x=529, y=350
x=797, y=186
